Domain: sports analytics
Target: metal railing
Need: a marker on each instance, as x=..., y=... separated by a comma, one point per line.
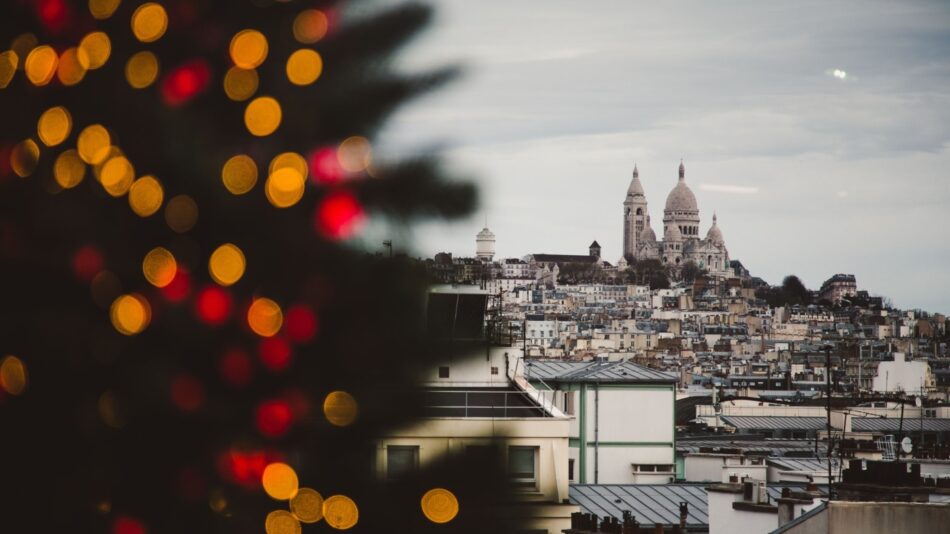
x=481, y=403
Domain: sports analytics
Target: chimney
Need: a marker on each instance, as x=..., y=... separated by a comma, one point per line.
x=658, y=528
x=684, y=513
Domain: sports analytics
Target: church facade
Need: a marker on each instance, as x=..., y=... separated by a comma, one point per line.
x=682, y=241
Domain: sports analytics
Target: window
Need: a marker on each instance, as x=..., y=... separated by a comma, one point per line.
x=570, y=469
x=401, y=460
x=569, y=402
x=522, y=463
x=443, y=372
x=494, y=370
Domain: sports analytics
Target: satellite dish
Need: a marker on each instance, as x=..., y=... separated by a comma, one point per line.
x=918, y=402
x=906, y=445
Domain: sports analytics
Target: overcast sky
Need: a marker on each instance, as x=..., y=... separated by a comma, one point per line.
x=817, y=131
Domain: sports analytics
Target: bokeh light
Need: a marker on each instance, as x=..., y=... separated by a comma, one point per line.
x=325, y=166
x=149, y=22
x=240, y=84
x=179, y=287
x=186, y=392
x=310, y=26
x=141, y=70
x=185, y=82
x=227, y=264
x=13, y=375
x=22, y=44
x=355, y=154
x=304, y=67
x=127, y=525
x=340, y=512
x=72, y=66
x=340, y=408
x=40, y=65
x=181, y=213
x=103, y=9
x=289, y=159
x=262, y=116
x=213, y=305
x=95, y=48
x=281, y=522
x=300, y=323
x=239, y=174
x=130, y=314
x=54, y=126
x=8, y=64
x=117, y=175
x=24, y=157
x=273, y=418
x=307, y=505
x=159, y=267
x=93, y=144
x=339, y=215
x=275, y=353
x=146, y=196
x=236, y=368
x=439, y=505
x=284, y=187
x=264, y=316
x=280, y=481
x=69, y=169
x=248, y=49
x=87, y=262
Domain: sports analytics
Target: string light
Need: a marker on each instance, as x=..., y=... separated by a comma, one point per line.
x=340, y=408
x=289, y=159
x=93, y=144
x=285, y=187
x=281, y=522
x=23, y=43
x=248, y=49
x=24, y=157
x=181, y=213
x=439, y=505
x=355, y=154
x=262, y=116
x=146, y=196
x=159, y=267
x=72, y=66
x=304, y=67
x=310, y=26
x=275, y=353
x=95, y=48
x=141, y=70
x=69, y=169
x=307, y=505
x=13, y=375
x=280, y=481
x=40, y=65
x=130, y=314
x=213, y=305
x=117, y=175
x=226, y=264
x=8, y=64
x=273, y=418
x=149, y=22
x=240, y=84
x=239, y=174
x=103, y=9
x=264, y=317
x=54, y=126
x=340, y=512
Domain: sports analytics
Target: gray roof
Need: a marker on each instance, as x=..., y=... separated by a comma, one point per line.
x=775, y=423
x=801, y=464
x=770, y=446
x=621, y=372
x=892, y=424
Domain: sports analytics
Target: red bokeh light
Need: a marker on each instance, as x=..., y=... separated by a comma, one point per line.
x=179, y=287
x=54, y=14
x=339, y=215
x=236, y=367
x=127, y=525
x=325, y=166
x=299, y=403
x=185, y=82
x=245, y=467
x=213, y=305
x=187, y=393
x=273, y=418
x=87, y=262
x=300, y=323
x=275, y=353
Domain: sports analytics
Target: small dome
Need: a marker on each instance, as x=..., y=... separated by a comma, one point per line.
x=681, y=198
x=648, y=235
x=636, y=188
x=485, y=234
x=672, y=233
x=714, y=234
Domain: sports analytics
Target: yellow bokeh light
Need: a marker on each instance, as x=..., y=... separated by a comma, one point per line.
x=69, y=169
x=227, y=264
x=281, y=522
x=117, y=175
x=103, y=9
x=262, y=116
x=439, y=505
x=149, y=22
x=355, y=154
x=141, y=70
x=24, y=157
x=181, y=213
x=307, y=505
x=13, y=376
x=130, y=314
x=284, y=187
x=304, y=67
x=8, y=64
x=280, y=481
x=40, y=64
x=240, y=84
x=159, y=267
x=72, y=66
x=248, y=49
x=110, y=152
x=93, y=144
x=265, y=317
x=310, y=26
x=96, y=47
x=22, y=45
x=146, y=196
x=54, y=126
x=340, y=408
x=289, y=159
x=239, y=174
x=340, y=512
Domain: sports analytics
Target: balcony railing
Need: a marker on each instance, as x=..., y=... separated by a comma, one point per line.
x=481, y=403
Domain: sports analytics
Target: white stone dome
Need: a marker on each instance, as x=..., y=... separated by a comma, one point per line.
x=672, y=233
x=681, y=198
x=715, y=234
x=485, y=234
x=636, y=188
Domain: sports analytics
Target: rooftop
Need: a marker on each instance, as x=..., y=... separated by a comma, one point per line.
x=619, y=372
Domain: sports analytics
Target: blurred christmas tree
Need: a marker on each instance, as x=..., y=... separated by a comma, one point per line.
x=186, y=338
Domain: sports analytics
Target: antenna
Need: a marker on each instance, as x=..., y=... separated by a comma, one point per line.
x=906, y=445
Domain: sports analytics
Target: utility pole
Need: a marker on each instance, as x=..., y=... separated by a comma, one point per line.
x=828, y=412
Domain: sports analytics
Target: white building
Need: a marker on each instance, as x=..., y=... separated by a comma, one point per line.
x=485, y=245
x=902, y=375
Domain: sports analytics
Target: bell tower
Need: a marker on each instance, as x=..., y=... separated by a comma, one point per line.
x=634, y=215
